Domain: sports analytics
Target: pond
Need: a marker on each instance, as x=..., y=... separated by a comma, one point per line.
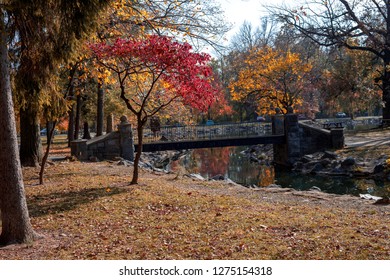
x=232, y=163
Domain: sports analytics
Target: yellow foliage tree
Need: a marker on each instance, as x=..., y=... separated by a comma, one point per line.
x=271, y=78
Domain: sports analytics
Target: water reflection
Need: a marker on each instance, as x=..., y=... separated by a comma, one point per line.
x=232, y=163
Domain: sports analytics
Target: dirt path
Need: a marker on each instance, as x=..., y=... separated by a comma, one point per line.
x=374, y=138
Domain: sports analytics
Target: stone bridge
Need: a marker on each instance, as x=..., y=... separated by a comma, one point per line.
x=291, y=139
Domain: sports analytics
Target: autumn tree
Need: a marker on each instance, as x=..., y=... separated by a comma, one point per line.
x=272, y=79
x=199, y=22
x=153, y=73
x=15, y=222
x=47, y=32
x=341, y=23
x=347, y=82
x=229, y=64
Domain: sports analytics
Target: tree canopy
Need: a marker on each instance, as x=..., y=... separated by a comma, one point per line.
x=273, y=79
x=153, y=73
x=356, y=25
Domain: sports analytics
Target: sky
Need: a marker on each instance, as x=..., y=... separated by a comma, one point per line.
x=237, y=11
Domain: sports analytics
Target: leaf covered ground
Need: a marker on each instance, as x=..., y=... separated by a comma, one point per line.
x=88, y=211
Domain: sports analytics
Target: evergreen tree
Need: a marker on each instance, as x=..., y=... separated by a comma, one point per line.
x=47, y=32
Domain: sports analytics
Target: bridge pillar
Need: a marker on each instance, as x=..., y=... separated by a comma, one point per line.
x=126, y=139
x=289, y=152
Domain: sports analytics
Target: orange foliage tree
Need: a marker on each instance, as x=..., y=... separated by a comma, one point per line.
x=272, y=78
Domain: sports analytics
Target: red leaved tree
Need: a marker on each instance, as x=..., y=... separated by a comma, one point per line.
x=156, y=72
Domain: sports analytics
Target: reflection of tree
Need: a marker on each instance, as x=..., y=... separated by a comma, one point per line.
x=266, y=176
x=227, y=161
x=243, y=171
x=213, y=161
x=188, y=163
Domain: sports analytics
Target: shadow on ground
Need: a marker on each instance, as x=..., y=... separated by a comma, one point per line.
x=41, y=205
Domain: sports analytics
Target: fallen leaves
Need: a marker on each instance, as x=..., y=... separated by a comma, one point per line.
x=90, y=212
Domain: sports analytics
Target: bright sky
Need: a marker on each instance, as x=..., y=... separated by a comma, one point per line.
x=237, y=11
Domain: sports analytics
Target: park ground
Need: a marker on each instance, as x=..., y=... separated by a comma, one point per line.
x=89, y=211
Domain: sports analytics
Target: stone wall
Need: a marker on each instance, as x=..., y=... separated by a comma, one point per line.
x=111, y=145
x=302, y=138
x=105, y=146
x=314, y=139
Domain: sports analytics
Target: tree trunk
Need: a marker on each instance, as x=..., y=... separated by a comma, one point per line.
x=100, y=110
x=71, y=125
x=50, y=135
x=16, y=226
x=386, y=90
x=78, y=116
x=386, y=70
x=30, y=138
x=86, y=134
x=137, y=158
x=110, y=123
x=49, y=126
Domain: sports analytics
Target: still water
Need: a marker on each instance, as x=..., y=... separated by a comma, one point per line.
x=233, y=164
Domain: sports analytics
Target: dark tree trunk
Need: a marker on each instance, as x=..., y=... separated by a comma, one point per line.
x=15, y=221
x=100, y=110
x=386, y=90
x=30, y=139
x=386, y=101
x=140, y=128
x=50, y=135
x=86, y=134
x=71, y=125
x=110, y=123
x=386, y=74
x=78, y=117
x=49, y=126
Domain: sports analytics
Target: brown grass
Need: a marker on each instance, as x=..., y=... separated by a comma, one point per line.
x=88, y=211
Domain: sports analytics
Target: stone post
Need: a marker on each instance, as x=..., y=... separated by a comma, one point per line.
x=278, y=124
x=293, y=140
x=289, y=152
x=126, y=139
x=79, y=149
x=337, y=138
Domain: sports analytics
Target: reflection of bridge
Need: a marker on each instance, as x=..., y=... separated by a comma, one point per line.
x=194, y=137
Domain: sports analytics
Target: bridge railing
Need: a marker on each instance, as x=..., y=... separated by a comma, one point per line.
x=203, y=132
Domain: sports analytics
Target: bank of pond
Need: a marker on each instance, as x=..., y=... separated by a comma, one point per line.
x=252, y=167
